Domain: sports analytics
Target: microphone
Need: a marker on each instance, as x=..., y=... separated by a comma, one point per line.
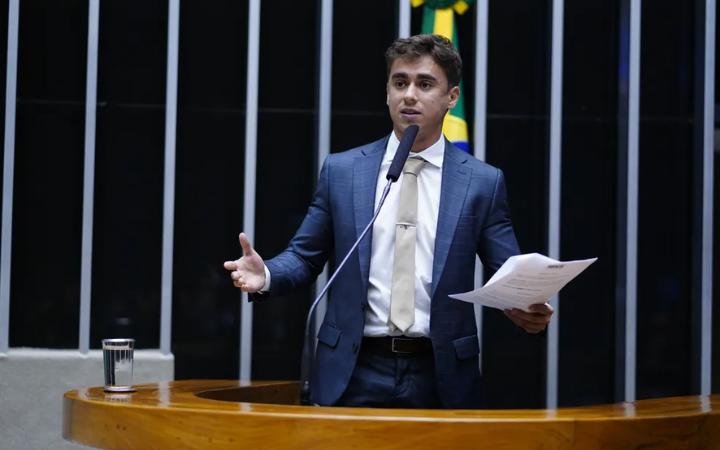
x=401, y=155
x=308, y=354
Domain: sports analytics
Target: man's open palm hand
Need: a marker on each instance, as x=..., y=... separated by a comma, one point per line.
x=248, y=272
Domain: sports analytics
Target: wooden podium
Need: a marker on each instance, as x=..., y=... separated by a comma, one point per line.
x=215, y=414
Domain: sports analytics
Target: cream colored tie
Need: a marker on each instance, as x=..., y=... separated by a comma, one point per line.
x=402, y=300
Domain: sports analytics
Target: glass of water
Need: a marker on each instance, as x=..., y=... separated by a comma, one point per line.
x=118, y=361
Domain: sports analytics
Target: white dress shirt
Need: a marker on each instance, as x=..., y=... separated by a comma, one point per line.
x=383, y=242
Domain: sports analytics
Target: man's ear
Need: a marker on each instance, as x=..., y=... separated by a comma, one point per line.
x=454, y=96
x=387, y=96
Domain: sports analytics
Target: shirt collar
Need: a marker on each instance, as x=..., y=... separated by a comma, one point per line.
x=433, y=154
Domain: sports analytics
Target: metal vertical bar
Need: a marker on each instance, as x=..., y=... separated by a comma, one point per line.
x=8, y=172
x=481, y=54
x=324, y=121
x=479, y=125
x=555, y=175
x=478, y=309
x=707, y=201
x=633, y=160
x=89, y=175
x=251, y=111
x=169, y=180
x=404, y=18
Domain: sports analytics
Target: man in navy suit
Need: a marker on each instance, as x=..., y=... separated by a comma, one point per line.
x=364, y=358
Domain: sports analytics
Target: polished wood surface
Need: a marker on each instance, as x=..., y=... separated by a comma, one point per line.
x=262, y=415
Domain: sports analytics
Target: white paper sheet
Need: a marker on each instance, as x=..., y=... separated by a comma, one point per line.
x=525, y=280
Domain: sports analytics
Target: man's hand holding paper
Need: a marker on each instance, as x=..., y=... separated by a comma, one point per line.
x=523, y=285
x=534, y=321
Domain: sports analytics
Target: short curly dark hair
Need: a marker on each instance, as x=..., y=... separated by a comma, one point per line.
x=438, y=47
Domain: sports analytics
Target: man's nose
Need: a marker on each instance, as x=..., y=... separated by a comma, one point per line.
x=410, y=94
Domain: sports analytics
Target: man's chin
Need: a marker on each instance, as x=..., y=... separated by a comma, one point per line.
x=410, y=119
x=402, y=124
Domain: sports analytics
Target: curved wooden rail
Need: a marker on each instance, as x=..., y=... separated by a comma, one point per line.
x=231, y=414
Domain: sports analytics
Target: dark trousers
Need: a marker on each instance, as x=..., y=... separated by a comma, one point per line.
x=392, y=380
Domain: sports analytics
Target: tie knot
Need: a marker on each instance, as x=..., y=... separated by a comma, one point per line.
x=413, y=165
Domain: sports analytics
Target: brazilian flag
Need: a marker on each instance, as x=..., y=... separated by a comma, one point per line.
x=439, y=18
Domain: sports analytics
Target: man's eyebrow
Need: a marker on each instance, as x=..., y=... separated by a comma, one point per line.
x=426, y=76
x=421, y=76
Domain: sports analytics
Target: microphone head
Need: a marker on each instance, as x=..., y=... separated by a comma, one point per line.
x=402, y=152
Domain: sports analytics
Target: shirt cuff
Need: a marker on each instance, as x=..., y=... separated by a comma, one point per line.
x=266, y=286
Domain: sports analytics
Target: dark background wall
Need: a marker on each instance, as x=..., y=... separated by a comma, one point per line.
x=209, y=174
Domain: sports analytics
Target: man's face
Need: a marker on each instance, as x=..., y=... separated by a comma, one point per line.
x=417, y=93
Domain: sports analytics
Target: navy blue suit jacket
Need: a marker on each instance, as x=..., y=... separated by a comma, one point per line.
x=473, y=219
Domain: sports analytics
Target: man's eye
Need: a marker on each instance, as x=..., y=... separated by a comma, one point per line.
x=399, y=84
x=425, y=85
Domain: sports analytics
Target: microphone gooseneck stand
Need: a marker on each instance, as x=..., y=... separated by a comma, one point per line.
x=308, y=354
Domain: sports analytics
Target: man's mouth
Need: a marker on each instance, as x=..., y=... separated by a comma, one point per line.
x=409, y=113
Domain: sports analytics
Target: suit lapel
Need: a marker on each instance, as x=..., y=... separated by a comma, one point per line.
x=455, y=182
x=365, y=174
